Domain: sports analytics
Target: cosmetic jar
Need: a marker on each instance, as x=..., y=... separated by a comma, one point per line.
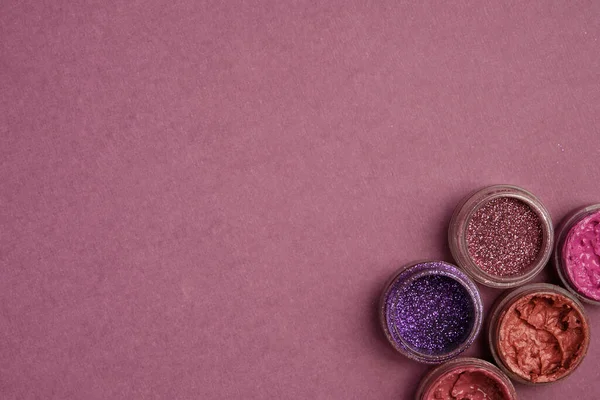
x=468, y=378
x=538, y=333
x=501, y=236
x=577, y=253
x=430, y=311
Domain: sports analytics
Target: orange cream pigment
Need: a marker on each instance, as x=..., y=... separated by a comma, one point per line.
x=542, y=337
x=470, y=384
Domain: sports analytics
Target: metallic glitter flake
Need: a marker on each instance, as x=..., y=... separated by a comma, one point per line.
x=504, y=237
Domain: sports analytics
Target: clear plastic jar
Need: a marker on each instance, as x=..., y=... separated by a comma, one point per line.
x=579, y=271
x=478, y=376
x=462, y=235
x=525, y=320
x=430, y=311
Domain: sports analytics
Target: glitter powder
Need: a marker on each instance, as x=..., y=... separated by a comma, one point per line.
x=429, y=310
x=501, y=235
x=434, y=314
x=504, y=237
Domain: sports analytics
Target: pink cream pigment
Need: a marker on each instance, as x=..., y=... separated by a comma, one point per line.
x=581, y=256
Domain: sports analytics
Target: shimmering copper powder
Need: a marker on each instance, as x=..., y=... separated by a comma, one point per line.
x=504, y=237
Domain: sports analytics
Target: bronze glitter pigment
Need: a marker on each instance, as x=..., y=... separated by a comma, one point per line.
x=504, y=237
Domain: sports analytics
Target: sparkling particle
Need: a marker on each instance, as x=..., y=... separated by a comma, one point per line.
x=434, y=314
x=504, y=237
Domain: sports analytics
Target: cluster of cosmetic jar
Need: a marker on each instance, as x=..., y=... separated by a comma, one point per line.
x=501, y=237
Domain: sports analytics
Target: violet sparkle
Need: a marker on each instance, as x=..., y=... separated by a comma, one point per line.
x=433, y=314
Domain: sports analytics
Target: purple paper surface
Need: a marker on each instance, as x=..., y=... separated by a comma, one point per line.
x=204, y=199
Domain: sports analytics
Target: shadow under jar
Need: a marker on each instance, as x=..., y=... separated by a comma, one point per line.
x=501, y=236
x=577, y=253
x=466, y=378
x=430, y=311
x=538, y=333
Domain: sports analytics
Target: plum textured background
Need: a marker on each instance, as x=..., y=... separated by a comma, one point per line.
x=203, y=199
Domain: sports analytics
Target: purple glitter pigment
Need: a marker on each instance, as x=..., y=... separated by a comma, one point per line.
x=430, y=322
x=431, y=311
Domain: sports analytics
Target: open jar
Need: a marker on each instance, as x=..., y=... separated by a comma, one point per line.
x=501, y=236
x=577, y=253
x=430, y=311
x=538, y=333
x=466, y=377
